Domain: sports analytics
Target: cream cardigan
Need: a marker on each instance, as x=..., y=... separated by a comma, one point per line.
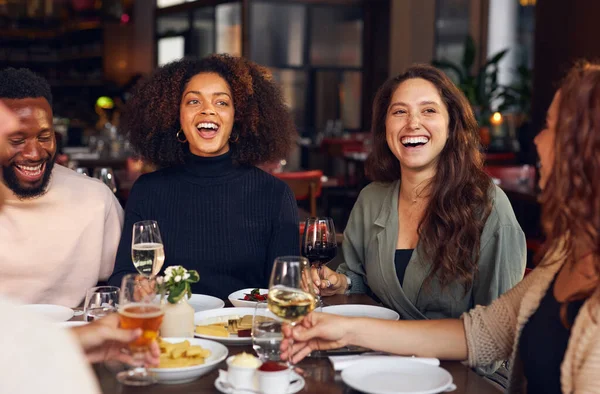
x=493, y=333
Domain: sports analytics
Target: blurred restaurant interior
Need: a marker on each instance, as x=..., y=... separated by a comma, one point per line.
x=329, y=57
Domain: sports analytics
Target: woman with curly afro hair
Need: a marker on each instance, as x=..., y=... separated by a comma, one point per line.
x=207, y=123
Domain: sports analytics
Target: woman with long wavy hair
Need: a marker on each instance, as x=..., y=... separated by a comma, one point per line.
x=549, y=323
x=433, y=236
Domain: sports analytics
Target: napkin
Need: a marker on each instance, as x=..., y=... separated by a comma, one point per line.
x=341, y=362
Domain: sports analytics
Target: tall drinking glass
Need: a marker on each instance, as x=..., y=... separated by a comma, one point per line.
x=319, y=245
x=147, y=250
x=141, y=305
x=100, y=301
x=266, y=333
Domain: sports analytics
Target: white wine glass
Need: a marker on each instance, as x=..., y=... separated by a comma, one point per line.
x=290, y=290
x=147, y=250
x=290, y=297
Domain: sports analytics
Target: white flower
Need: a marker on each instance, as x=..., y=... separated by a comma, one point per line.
x=169, y=270
x=178, y=278
x=186, y=276
x=168, y=276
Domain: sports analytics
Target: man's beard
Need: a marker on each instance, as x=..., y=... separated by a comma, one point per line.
x=12, y=181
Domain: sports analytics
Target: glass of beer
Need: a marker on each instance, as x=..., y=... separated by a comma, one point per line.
x=141, y=305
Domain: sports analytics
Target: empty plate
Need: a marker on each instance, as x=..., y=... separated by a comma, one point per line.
x=383, y=375
x=55, y=313
x=358, y=310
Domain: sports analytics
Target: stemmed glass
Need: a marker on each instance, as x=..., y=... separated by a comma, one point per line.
x=147, y=250
x=291, y=294
x=141, y=305
x=100, y=301
x=319, y=245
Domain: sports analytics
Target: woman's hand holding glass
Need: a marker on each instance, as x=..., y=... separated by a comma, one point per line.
x=328, y=282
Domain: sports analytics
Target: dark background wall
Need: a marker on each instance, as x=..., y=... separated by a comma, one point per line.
x=565, y=32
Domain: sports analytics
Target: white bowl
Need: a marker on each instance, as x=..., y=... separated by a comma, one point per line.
x=358, y=310
x=55, y=313
x=202, y=302
x=188, y=374
x=237, y=298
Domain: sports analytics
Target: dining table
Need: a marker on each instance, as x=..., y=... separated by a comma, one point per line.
x=318, y=372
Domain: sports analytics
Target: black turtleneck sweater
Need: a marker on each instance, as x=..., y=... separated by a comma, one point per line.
x=226, y=221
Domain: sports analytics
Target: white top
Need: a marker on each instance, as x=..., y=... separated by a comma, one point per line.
x=54, y=247
x=40, y=357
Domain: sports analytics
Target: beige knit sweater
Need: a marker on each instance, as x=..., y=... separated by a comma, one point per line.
x=493, y=333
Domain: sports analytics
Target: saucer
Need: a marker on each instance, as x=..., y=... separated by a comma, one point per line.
x=223, y=386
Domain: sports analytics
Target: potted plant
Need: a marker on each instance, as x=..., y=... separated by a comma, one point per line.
x=480, y=87
x=179, y=315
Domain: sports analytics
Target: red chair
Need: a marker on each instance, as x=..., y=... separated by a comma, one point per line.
x=306, y=185
x=500, y=158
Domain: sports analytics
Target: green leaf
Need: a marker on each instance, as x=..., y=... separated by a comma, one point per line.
x=194, y=276
x=177, y=292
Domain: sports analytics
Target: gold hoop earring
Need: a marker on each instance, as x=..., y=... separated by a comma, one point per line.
x=237, y=138
x=178, y=137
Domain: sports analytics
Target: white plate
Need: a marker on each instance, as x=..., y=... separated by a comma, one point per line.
x=237, y=298
x=381, y=375
x=54, y=313
x=293, y=388
x=188, y=374
x=201, y=302
x=358, y=310
x=72, y=323
x=201, y=318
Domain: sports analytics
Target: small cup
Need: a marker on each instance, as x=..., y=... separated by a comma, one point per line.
x=273, y=382
x=241, y=377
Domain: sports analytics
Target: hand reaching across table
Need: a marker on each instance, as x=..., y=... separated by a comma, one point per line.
x=103, y=340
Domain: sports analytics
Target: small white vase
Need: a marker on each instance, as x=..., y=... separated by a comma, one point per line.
x=178, y=320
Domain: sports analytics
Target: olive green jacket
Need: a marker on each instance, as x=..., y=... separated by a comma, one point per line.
x=370, y=242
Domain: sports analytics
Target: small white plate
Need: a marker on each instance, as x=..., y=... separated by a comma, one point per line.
x=208, y=317
x=357, y=310
x=218, y=353
x=201, y=302
x=55, y=313
x=237, y=298
x=297, y=385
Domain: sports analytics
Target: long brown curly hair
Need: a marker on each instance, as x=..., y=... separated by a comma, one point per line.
x=571, y=196
x=262, y=121
x=459, y=205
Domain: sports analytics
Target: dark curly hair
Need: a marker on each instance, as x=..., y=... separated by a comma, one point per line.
x=262, y=121
x=23, y=83
x=459, y=205
x=571, y=197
